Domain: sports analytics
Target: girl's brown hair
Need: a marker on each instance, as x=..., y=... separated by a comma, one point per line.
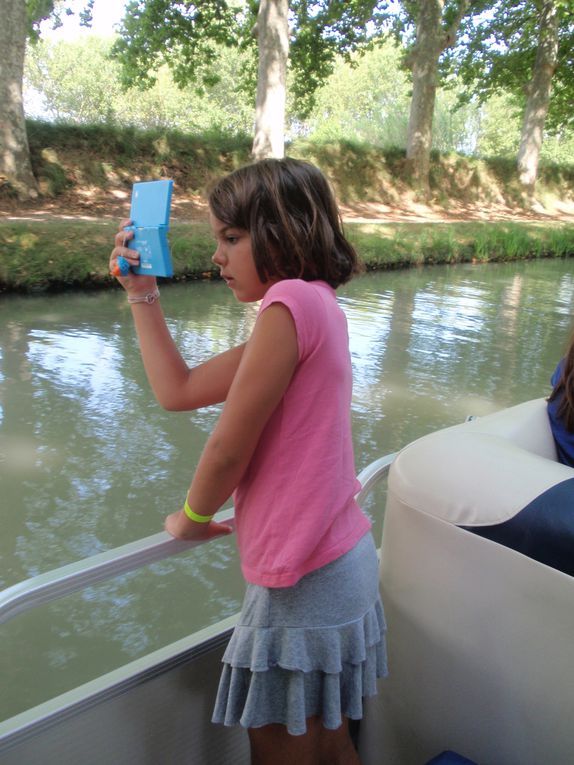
x=290, y=212
x=564, y=389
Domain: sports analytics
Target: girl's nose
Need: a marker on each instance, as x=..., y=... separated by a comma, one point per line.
x=217, y=257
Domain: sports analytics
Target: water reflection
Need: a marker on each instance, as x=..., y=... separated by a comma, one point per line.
x=88, y=461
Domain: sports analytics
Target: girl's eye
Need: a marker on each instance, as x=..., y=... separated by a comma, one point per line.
x=232, y=239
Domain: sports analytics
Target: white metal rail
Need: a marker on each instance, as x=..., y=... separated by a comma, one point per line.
x=67, y=579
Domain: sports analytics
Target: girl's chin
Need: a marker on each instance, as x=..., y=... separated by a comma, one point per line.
x=248, y=293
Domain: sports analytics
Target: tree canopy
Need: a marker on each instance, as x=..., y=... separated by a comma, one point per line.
x=62, y=87
x=38, y=11
x=188, y=37
x=497, y=54
x=514, y=56
x=524, y=48
x=367, y=101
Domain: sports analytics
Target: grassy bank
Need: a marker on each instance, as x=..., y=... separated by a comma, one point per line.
x=59, y=255
x=90, y=170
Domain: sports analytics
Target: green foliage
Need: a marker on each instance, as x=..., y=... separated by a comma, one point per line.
x=188, y=37
x=499, y=49
x=325, y=31
x=183, y=36
x=499, y=126
x=370, y=101
x=38, y=11
x=500, y=119
x=62, y=74
x=366, y=101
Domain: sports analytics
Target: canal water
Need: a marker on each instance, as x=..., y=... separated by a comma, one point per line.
x=88, y=460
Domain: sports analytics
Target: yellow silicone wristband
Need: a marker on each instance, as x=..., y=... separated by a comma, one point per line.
x=194, y=516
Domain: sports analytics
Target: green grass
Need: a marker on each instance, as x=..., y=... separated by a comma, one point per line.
x=55, y=256
x=408, y=244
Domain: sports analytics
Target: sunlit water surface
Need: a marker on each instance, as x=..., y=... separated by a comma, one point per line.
x=88, y=460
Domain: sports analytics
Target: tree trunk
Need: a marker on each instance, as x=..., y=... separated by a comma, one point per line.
x=15, y=166
x=538, y=100
x=431, y=40
x=424, y=63
x=272, y=30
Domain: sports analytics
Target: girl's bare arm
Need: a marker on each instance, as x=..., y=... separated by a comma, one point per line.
x=265, y=370
x=175, y=386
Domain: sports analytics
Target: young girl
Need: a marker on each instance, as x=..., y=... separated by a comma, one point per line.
x=561, y=407
x=309, y=644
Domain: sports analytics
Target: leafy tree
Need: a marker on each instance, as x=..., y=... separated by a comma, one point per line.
x=15, y=167
x=500, y=128
x=365, y=101
x=428, y=28
x=20, y=21
x=499, y=132
x=61, y=76
x=369, y=101
x=454, y=128
x=273, y=33
x=525, y=49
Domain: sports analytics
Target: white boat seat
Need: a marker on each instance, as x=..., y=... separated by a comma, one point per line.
x=504, y=486
x=480, y=625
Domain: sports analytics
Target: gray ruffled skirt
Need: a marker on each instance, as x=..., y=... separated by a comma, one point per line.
x=314, y=649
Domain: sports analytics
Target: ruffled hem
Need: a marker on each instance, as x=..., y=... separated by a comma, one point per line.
x=303, y=648
x=285, y=675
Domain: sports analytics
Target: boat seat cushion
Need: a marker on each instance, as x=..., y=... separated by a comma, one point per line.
x=543, y=530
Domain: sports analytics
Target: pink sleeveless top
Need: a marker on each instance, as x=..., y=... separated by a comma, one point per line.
x=295, y=506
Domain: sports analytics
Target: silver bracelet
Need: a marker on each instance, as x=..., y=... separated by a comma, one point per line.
x=150, y=298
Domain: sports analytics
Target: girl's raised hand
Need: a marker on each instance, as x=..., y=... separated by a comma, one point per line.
x=135, y=284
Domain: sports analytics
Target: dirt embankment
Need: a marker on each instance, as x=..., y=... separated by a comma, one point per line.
x=95, y=205
x=86, y=173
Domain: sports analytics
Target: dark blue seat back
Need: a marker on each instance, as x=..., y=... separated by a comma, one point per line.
x=543, y=530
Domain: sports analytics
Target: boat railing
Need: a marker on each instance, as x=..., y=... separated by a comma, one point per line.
x=62, y=581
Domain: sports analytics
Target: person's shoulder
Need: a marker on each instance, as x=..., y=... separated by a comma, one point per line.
x=557, y=373
x=299, y=289
x=307, y=302
x=289, y=286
